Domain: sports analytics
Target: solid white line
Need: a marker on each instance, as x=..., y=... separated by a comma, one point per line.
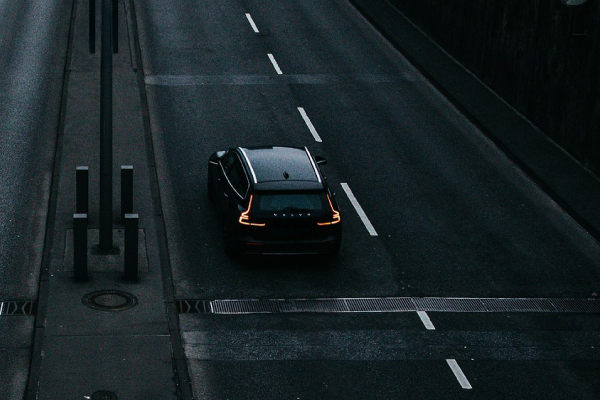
x=426, y=321
x=359, y=210
x=311, y=127
x=252, y=22
x=275, y=65
x=462, y=379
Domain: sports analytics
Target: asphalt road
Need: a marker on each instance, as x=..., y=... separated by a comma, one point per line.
x=452, y=215
x=33, y=43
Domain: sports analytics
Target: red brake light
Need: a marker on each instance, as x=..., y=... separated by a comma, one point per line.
x=245, y=219
x=336, y=215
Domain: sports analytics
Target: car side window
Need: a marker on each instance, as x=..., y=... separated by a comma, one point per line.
x=236, y=174
x=227, y=161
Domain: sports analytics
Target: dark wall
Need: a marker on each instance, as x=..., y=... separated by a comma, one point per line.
x=540, y=56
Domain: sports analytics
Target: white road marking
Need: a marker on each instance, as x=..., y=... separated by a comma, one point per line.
x=1, y=307
x=275, y=65
x=426, y=321
x=462, y=379
x=359, y=210
x=311, y=127
x=252, y=24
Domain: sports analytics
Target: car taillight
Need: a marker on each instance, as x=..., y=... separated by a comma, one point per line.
x=245, y=219
x=335, y=217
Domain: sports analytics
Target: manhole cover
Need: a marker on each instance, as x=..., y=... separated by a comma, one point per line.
x=109, y=300
x=104, y=395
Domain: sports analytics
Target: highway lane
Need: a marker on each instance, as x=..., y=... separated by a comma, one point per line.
x=453, y=216
x=33, y=39
x=33, y=43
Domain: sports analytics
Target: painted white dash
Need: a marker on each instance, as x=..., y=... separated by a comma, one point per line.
x=1, y=307
x=309, y=124
x=252, y=24
x=359, y=210
x=426, y=321
x=462, y=379
x=275, y=65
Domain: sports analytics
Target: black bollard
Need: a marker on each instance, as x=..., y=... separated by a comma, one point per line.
x=80, y=245
x=126, y=190
x=115, y=26
x=92, y=26
x=82, y=190
x=131, y=247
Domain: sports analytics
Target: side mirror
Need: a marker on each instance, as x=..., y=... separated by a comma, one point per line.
x=320, y=160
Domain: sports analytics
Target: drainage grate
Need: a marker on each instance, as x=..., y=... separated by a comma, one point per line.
x=521, y=305
x=193, y=306
x=576, y=305
x=18, y=308
x=388, y=304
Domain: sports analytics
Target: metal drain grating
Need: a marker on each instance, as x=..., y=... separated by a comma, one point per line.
x=388, y=304
x=520, y=305
x=193, y=306
x=449, y=304
x=576, y=305
x=18, y=308
x=320, y=305
x=246, y=306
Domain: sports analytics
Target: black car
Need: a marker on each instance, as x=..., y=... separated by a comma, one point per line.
x=274, y=200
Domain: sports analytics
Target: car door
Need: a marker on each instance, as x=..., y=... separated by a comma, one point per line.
x=235, y=187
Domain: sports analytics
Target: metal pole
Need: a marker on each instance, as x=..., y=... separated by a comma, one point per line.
x=106, y=222
x=131, y=247
x=80, y=244
x=92, y=26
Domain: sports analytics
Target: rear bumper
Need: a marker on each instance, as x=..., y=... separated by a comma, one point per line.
x=253, y=245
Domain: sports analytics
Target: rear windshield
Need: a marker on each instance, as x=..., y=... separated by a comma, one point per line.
x=290, y=202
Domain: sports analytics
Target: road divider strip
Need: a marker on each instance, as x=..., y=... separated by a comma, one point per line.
x=252, y=24
x=359, y=209
x=275, y=65
x=458, y=373
x=309, y=124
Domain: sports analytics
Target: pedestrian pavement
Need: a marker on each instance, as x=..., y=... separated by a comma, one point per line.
x=105, y=335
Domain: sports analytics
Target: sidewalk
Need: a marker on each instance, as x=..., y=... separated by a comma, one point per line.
x=558, y=174
x=84, y=350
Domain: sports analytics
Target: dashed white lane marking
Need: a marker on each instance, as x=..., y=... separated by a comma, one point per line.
x=462, y=379
x=309, y=124
x=252, y=24
x=275, y=65
x=359, y=210
x=426, y=321
x=1, y=307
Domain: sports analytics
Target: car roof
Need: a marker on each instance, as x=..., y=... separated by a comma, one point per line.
x=279, y=167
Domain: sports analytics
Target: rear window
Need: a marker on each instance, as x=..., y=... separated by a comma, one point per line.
x=290, y=202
